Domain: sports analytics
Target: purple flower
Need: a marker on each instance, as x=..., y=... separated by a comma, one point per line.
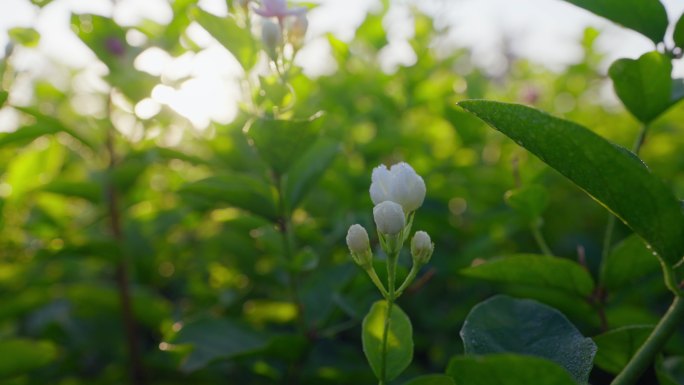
x=277, y=8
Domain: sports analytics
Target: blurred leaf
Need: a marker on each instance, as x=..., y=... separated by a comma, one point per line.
x=609, y=173
x=104, y=37
x=535, y=270
x=51, y=126
x=678, y=34
x=399, y=340
x=644, y=85
x=281, y=142
x=89, y=191
x=670, y=371
x=628, y=261
x=503, y=324
x=27, y=37
x=304, y=173
x=107, y=40
x=305, y=260
x=214, y=339
x=529, y=201
x=3, y=98
x=432, y=379
x=236, y=190
x=27, y=134
x=616, y=347
x=236, y=39
x=647, y=17
x=20, y=356
x=372, y=31
x=506, y=369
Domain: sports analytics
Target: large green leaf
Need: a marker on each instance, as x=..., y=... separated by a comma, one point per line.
x=21, y=356
x=644, y=85
x=399, y=340
x=308, y=169
x=535, y=270
x=609, y=173
x=628, y=261
x=47, y=125
x=506, y=369
x=236, y=39
x=89, y=191
x=432, y=379
x=236, y=190
x=281, y=142
x=503, y=324
x=678, y=35
x=645, y=16
x=529, y=201
x=616, y=347
x=214, y=339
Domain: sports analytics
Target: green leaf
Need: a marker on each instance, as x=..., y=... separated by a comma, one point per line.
x=503, y=324
x=399, y=340
x=432, y=379
x=670, y=371
x=27, y=37
x=235, y=38
x=647, y=17
x=506, y=369
x=616, y=347
x=535, y=270
x=529, y=201
x=609, y=173
x=27, y=134
x=20, y=356
x=678, y=34
x=104, y=37
x=628, y=261
x=236, y=190
x=87, y=190
x=644, y=85
x=281, y=142
x=214, y=339
x=48, y=125
x=308, y=169
x=3, y=97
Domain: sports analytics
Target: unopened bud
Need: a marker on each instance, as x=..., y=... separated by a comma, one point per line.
x=272, y=37
x=359, y=245
x=400, y=184
x=421, y=247
x=389, y=218
x=297, y=30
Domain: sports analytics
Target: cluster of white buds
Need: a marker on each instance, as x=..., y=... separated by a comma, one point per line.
x=397, y=193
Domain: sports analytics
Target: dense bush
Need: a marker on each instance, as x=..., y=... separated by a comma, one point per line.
x=138, y=249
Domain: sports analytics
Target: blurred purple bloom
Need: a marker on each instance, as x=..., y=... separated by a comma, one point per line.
x=277, y=8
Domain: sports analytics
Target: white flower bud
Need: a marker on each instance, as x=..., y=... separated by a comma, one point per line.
x=272, y=37
x=359, y=245
x=421, y=247
x=399, y=184
x=297, y=30
x=357, y=239
x=389, y=218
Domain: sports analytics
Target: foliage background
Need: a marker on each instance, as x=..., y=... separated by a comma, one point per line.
x=208, y=276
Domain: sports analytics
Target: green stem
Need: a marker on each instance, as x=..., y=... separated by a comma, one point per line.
x=653, y=345
x=541, y=242
x=409, y=279
x=391, y=272
x=376, y=280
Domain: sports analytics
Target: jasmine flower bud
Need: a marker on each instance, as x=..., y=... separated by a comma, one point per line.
x=399, y=184
x=421, y=247
x=359, y=245
x=272, y=37
x=297, y=30
x=389, y=218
